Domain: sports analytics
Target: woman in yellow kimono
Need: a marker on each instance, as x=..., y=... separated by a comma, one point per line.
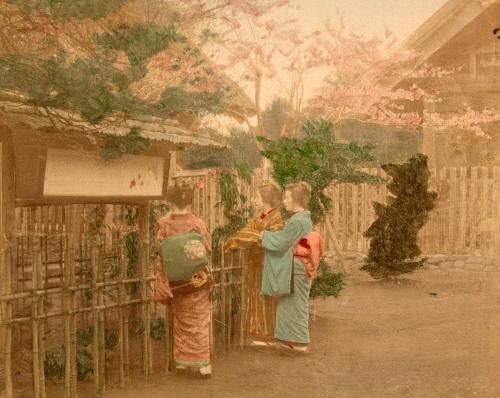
x=260, y=310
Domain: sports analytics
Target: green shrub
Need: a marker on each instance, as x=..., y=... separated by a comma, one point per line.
x=327, y=283
x=55, y=364
x=393, y=246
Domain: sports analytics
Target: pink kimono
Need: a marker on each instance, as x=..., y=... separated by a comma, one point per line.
x=191, y=311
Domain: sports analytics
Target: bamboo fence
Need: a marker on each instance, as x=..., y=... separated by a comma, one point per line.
x=56, y=283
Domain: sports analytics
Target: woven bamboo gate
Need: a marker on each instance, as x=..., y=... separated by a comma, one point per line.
x=466, y=219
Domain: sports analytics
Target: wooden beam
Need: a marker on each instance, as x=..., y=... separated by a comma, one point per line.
x=7, y=216
x=7, y=236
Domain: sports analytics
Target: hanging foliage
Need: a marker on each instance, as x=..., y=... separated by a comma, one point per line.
x=95, y=218
x=131, y=144
x=241, y=154
x=235, y=208
x=238, y=160
x=132, y=247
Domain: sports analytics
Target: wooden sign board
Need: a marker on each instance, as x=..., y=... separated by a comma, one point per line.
x=73, y=173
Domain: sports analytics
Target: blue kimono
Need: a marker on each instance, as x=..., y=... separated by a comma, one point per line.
x=292, y=312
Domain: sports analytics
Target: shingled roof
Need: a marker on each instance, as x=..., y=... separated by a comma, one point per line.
x=445, y=25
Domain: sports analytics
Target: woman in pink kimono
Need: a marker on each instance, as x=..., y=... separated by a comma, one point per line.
x=190, y=298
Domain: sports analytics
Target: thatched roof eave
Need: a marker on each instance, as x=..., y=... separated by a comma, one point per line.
x=153, y=128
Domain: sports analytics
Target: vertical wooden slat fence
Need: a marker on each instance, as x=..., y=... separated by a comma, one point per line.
x=466, y=219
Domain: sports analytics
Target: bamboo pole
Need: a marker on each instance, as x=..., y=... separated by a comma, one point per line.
x=34, y=312
x=101, y=315
x=211, y=331
x=243, y=302
x=70, y=240
x=120, y=299
x=40, y=310
x=2, y=315
x=72, y=306
x=95, y=322
x=170, y=360
x=79, y=311
x=223, y=293
x=55, y=290
x=126, y=343
x=230, y=288
x=67, y=321
x=143, y=269
x=7, y=315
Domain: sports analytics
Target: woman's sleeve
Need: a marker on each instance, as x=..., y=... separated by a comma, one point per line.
x=283, y=240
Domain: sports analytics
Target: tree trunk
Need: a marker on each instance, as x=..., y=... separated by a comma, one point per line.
x=258, y=86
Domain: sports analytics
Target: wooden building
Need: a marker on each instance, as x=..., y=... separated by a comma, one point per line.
x=459, y=38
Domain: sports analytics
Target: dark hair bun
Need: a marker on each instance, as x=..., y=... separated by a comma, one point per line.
x=181, y=195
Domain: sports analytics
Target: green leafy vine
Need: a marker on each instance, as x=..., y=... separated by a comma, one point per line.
x=131, y=144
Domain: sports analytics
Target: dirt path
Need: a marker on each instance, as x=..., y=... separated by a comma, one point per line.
x=431, y=337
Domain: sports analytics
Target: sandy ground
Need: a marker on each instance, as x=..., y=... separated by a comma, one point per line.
x=433, y=335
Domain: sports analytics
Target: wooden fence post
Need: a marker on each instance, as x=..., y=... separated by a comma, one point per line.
x=143, y=269
x=169, y=319
x=66, y=293
x=223, y=299
x=6, y=263
x=95, y=320
x=121, y=317
x=335, y=243
x=35, y=324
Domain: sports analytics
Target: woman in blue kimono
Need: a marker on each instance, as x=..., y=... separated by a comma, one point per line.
x=284, y=274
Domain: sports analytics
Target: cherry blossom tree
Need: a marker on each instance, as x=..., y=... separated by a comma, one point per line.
x=248, y=38
x=361, y=85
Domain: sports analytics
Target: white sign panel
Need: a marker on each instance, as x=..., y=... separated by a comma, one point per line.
x=76, y=173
